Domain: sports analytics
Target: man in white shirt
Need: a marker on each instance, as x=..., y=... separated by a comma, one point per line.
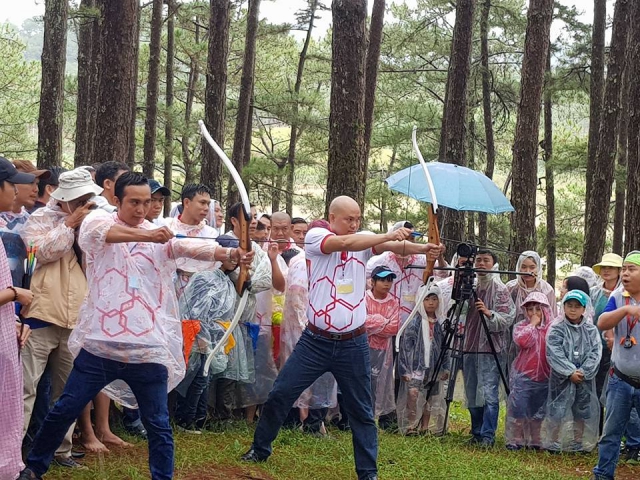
x=335, y=339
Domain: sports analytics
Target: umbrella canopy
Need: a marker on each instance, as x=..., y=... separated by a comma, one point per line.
x=456, y=187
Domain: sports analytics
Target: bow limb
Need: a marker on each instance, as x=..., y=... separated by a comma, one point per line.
x=243, y=283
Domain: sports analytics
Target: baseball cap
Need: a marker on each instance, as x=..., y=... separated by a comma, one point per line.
x=383, y=272
x=578, y=295
x=227, y=241
x=156, y=186
x=27, y=167
x=9, y=173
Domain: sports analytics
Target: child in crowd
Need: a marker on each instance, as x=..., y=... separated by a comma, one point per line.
x=574, y=349
x=383, y=318
x=529, y=375
x=420, y=348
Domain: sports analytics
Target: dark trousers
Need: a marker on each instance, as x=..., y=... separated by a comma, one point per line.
x=90, y=374
x=189, y=408
x=314, y=355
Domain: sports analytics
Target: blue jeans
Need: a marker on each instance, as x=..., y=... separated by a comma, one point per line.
x=622, y=398
x=189, y=408
x=314, y=355
x=481, y=384
x=632, y=434
x=90, y=374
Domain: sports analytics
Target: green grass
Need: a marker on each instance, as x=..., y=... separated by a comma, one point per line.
x=301, y=457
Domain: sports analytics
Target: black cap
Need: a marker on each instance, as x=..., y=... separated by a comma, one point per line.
x=156, y=186
x=383, y=272
x=9, y=173
x=227, y=241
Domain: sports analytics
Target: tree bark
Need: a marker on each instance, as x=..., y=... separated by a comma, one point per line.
x=621, y=167
x=346, y=116
x=525, y=146
x=293, y=139
x=599, y=198
x=168, y=126
x=187, y=159
x=455, y=111
x=486, y=109
x=549, y=176
x=116, y=96
x=54, y=60
x=215, y=93
x=596, y=86
x=88, y=27
x=371, y=78
x=153, y=86
x=243, y=120
x=632, y=213
x=471, y=220
x=131, y=160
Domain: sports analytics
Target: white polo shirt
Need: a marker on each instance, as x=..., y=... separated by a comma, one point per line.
x=337, y=285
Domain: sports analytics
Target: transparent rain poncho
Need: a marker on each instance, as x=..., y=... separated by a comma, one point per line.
x=578, y=282
x=529, y=377
x=573, y=411
x=209, y=298
x=130, y=313
x=383, y=319
x=480, y=371
x=323, y=392
x=420, y=348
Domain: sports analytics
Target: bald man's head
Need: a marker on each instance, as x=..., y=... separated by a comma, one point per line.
x=280, y=216
x=344, y=215
x=281, y=228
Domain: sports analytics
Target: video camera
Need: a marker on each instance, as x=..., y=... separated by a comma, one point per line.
x=464, y=278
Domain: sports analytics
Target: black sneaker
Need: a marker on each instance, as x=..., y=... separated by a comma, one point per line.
x=632, y=456
x=27, y=474
x=137, y=430
x=68, y=462
x=252, y=456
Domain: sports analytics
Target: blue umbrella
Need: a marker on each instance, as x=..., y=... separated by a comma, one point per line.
x=456, y=187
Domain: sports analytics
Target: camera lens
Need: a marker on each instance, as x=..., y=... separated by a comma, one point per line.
x=464, y=250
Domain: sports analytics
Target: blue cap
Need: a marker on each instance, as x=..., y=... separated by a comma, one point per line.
x=227, y=241
x=156, y=186
x=578, y=295
x=382, y=272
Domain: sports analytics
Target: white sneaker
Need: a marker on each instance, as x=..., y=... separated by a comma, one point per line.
x=190, y=431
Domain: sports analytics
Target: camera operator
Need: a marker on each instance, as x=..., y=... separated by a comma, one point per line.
x=480, y=371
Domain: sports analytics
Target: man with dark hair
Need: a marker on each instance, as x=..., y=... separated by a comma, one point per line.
x=106, y=175
x=46, y=185
x=129, y=272
x=299, y=227
x=158, y=193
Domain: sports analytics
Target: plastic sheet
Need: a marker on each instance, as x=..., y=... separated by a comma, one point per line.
x=529, y=374
x=573, y=411
x=420, y=348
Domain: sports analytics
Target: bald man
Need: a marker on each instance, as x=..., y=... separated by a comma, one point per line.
x=335, y=339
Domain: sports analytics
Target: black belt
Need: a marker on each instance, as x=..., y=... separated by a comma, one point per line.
x=626, y=378
x=337, y=336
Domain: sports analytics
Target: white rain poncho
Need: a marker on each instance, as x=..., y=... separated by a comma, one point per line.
x=210, y=298
x=573, y=411
x=323, y=392
x=420, y=349
x=529, y=377
x=383, y=319
x=408, y=280
x=130, y=313
x=480, y=371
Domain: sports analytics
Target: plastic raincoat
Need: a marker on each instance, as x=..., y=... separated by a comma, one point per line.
x=529, y=377
x=383, y=319
x=323, y=392
x=420, y=348
x=573, y=412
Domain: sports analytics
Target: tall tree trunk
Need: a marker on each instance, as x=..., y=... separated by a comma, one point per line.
x=94, y=86
x=54, y=60
x=549, y=176
x=293, y=139
x=371, y=78
x=596, y=86
x=131, y=161
x=486, y=109
x=119, y=42
x=632, y=214
x=216, y=93
x=194, y=70
x=153, y=86
x=621, y=167
x=168, y=126
x=525, y=146
x=471, y=218
x=87, y=23
x=346, y=116
x=243, y=120
x=455, y=112
x=599, y=199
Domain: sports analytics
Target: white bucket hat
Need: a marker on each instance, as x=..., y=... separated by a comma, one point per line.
x=75, y=184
